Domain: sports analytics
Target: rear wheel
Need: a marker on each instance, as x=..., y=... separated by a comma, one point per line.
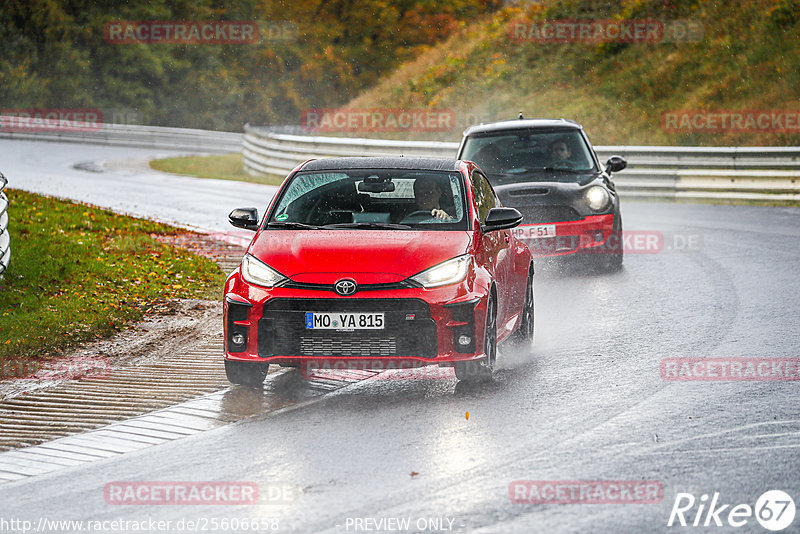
x=246, y=373
x=524, y=334
x=481, y=370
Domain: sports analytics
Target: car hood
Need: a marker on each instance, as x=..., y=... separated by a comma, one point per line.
x=549, y=201
x=544, y=178
x=367, y=256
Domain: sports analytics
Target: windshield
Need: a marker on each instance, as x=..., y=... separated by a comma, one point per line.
x=530, y=151
x=373, y=199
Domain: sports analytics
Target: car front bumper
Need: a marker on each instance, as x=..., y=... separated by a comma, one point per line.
x=592, y=235
x=422, y=326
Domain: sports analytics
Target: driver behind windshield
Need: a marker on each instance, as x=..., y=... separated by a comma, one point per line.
x=559, y=151
x=431, y=195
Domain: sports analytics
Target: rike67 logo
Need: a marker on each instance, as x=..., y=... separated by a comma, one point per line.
x=774, y=510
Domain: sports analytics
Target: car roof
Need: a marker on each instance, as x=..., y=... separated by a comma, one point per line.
x=523, y=124
x=351, y=163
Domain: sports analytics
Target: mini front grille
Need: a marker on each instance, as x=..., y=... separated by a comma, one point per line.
x=545, y=246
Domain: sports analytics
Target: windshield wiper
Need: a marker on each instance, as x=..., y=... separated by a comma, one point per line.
x=518, y=173
x=299, y=225
x=370, y=225
x=559, y=169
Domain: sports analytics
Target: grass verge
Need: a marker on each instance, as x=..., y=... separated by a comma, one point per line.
x=80, y=273
x=747, y=57
x=223, y=167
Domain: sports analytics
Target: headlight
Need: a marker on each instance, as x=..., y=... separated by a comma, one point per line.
x=257, y=272
x=448, y=272
x=597, y=197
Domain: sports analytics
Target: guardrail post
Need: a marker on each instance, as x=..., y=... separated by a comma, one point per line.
x=5, y=238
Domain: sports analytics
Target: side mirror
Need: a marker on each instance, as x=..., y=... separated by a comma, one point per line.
x=246, y=218
x=501, y=219
x=615, y=164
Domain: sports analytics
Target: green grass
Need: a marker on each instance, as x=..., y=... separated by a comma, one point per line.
x=224, y=167
x=748, y=59
x=80, y=273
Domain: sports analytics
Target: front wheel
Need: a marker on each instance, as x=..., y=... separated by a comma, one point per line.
x=246, y=373
x=524, y=334
x=481, y=370
x=616, y=255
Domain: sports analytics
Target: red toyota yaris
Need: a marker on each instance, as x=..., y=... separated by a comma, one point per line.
x=382, y=263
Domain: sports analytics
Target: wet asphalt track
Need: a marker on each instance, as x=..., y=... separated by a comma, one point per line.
x=586, y=403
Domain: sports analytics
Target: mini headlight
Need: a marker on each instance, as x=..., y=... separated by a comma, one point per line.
x=597, y=198
x=448, y=272
x=257, y=272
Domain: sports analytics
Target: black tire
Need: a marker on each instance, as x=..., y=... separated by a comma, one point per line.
x=481, y=370
x=246, y=373
x=615, y=257
x=523, y=335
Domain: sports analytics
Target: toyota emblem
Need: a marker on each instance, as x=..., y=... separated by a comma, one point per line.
x=345, y=287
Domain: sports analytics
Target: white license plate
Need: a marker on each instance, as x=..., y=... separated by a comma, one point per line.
x=535, y=232
x=344, y=321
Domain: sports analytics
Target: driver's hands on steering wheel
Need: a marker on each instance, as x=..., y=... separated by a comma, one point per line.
x=440, y=214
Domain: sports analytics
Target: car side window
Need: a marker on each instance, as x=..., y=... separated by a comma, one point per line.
x=485, y=199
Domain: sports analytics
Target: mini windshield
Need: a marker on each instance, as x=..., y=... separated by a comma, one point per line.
x=372, y=199
x=530, y=151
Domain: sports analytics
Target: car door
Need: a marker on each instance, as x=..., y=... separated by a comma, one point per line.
x=498, y=249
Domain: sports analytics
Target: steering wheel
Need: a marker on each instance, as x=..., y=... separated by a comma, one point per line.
x=418, y=216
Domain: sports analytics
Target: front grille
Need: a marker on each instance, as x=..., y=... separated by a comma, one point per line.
x=409, y=329
x=330, y=346
x=547, y=214
x=546, y=246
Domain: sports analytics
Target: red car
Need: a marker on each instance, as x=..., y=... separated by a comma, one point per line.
x=378, y=263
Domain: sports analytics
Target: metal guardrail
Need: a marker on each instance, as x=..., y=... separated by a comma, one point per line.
x=270, y=151
x=5, y=238
x=130, y=135
x=697, y=173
